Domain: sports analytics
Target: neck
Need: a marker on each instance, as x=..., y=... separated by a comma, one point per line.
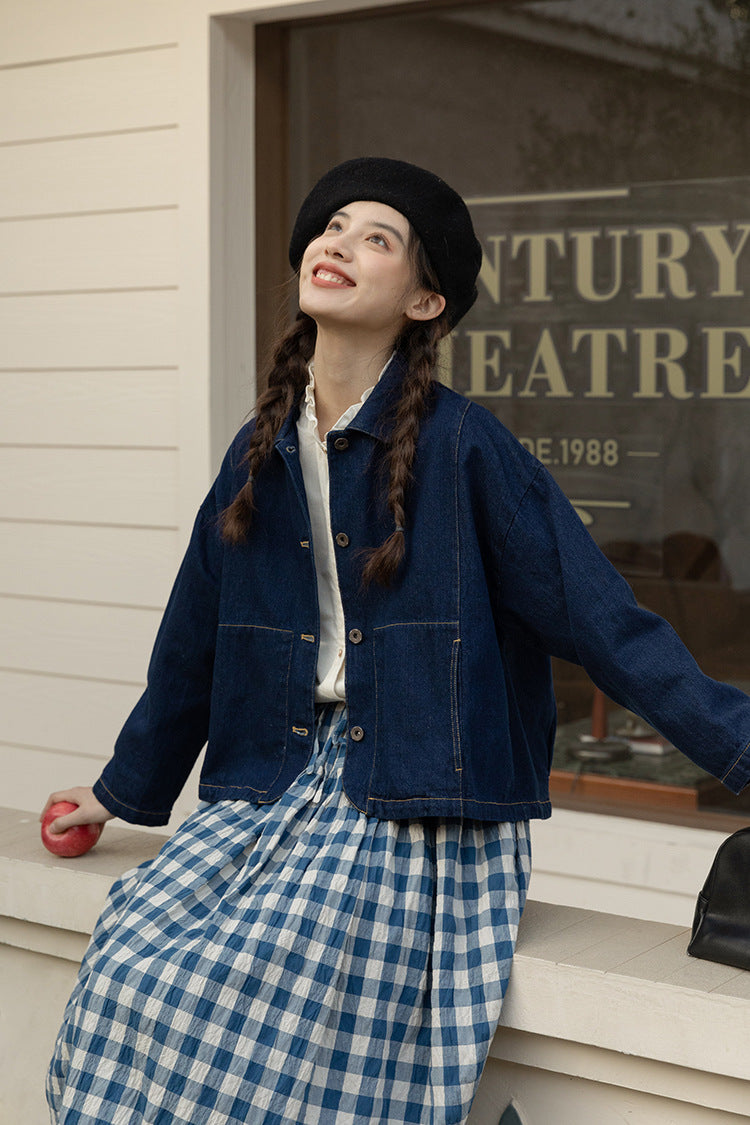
x=344, y=370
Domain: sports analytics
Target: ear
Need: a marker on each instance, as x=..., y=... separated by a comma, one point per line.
x=425, y=305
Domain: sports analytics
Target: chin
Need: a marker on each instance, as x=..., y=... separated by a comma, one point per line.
x=319, y=309
x=325, y=317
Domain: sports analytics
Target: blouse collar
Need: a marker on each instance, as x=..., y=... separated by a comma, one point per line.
x=310, y=415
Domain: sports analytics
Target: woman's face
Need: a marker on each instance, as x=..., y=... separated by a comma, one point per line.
x=359, y=272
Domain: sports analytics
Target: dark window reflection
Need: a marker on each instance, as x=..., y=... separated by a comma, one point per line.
x=604, y=148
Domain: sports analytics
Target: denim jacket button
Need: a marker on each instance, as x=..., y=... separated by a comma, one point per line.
x=355, y=636
x=342, y=539
x=357, y=734
x=341, y=443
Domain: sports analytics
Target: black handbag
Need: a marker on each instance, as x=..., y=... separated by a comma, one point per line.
x=721, y=926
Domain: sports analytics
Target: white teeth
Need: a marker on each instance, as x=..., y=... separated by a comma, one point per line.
x=326, y=275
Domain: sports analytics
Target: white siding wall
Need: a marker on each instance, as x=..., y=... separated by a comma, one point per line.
x=89, y=407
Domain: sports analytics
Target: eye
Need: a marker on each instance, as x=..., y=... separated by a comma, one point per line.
x=379, y=239
x=334, y=224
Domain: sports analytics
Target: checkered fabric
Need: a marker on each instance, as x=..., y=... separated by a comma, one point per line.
x=296, y=962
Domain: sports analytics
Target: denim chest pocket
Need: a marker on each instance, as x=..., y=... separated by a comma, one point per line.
x=418, y=749
x=250, y=703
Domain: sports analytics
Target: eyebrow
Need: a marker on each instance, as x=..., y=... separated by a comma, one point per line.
x=384, y=226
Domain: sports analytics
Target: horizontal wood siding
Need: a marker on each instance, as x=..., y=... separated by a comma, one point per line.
x=94, y=408
x=47, y=560
x=119, y=250
x=79, y=717
x=122, y=172
x=89, y=385
x=90, y=330
x=112, y=486
x=101, y=642
x=126, y=329
x=36, y=30
x=99, y=94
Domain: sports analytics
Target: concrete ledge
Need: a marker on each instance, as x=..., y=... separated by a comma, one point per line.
x=629, y=986
x=542, y=1054
x=606, y=1018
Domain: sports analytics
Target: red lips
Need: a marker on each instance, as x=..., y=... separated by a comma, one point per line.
x=328, y=267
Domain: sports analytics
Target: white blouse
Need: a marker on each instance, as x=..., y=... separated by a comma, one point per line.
x=313, y=455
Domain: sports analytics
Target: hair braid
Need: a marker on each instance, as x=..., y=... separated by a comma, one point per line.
x=420, y=348
x=287, y=378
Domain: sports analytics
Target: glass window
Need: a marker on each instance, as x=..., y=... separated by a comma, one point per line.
x=604, y=150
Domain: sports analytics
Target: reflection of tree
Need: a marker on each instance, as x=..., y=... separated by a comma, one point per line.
x=652, y=124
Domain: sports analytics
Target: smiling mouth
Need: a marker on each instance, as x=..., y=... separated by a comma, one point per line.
x=332, y=278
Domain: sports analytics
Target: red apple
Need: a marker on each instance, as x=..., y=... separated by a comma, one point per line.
x=73, y=841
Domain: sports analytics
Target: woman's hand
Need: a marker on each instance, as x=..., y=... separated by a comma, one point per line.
x=89, y=811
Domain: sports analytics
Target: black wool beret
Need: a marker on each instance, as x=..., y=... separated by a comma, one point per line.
x=436, y=212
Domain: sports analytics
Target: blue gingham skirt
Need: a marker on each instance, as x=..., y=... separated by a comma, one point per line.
x=297, y=962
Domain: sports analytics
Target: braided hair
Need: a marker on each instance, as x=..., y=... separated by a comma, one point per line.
x=287, y=378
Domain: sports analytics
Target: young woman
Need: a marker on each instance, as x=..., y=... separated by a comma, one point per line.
x=361, y=631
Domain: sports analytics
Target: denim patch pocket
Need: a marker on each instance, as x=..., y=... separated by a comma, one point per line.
x=250, y=703
x=418, y=692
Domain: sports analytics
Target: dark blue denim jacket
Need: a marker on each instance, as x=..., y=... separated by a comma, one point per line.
x=451, y=709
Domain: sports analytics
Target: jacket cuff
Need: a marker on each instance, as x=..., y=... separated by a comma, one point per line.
x=127, y=812
x=738, y=774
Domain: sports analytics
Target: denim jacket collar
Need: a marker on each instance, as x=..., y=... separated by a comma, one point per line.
x=375, y=417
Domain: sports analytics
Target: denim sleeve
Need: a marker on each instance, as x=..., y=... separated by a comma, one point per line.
x=568, y=599
x=168, y=726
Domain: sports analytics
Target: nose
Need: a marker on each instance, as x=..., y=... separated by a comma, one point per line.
x=336, y=245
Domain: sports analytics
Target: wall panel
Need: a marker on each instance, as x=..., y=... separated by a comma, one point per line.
x=127, y=566
x=122, y=250
x=112, y=486
x=71, y=639
x=63, y=714
x=89, y=386
x=135, y=408
x=47, y=29
x=98, y=329
x=121, y=171
x=88, y=95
